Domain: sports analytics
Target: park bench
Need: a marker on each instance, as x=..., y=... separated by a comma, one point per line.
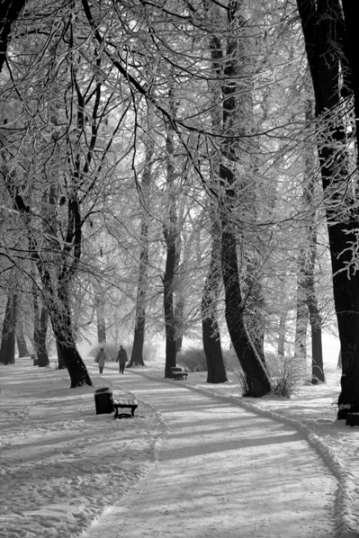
x=122, y=404
x=178, y=373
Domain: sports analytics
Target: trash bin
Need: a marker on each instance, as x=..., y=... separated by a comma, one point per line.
x=103, y=401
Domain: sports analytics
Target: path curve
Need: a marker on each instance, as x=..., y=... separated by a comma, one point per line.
x=222, y=472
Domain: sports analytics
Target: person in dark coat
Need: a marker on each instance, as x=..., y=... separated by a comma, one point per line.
x=122, y=359
x=101, y=359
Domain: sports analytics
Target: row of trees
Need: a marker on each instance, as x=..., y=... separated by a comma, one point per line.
x=162, y=160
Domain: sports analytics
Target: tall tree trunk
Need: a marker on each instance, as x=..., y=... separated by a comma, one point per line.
x=179, y=317
x=216, y=372
x=257, y=382
x=228, y=69
x=139, y=333
x=20, y=339
x=140, y=326
x=301, y=325
x=40, y=338
x=322, y=24
x=60, y=361
x=40, y=328
x=168, y=306
x=317, y=351
x=60, y=315
x=311, y=237
x=170, y=234
x=7, y=349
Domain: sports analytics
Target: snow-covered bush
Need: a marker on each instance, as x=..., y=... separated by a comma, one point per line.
x=286, y=373
x=193, y=358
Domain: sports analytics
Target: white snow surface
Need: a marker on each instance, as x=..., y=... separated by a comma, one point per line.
x=196, y=461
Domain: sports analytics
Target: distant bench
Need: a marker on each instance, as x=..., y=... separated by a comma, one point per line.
x=178, y=373
x=122, y=404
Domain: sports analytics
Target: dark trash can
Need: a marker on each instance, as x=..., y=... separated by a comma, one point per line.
x=35, y=360
x=103, y=401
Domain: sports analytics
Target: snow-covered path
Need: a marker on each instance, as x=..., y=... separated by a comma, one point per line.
x=221, y=472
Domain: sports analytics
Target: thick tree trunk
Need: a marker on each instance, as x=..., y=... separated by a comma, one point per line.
x=235, y=108
x=170, y=234
x=168, y=281
x=179, y=317
x=317, y=351
x=7, y=349
x=72, y=359
x=40, y=333
x=60, y=361
x=254, y=301
x=216, y=372
x=20, y=340
x=139, y=333
x=60, y=316
x=138, y=342
x=311, y=238
x=321, y=25
x=301, y=326
x=257, y=382
x=40, y=328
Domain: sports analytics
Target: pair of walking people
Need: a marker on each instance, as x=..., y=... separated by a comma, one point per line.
x=121, y=359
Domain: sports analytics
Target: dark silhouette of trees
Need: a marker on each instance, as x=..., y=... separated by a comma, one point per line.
x=7, y=348
x=327, y=52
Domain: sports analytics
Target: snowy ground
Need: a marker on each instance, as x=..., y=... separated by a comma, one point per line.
x=197, y=460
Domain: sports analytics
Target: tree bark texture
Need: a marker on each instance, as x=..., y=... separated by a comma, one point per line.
x=168, y=301
x=7, y=349
x=322, y=24
x=40, y=328
x=256, y=376
x=301, y=325
x=60, y=361
x=140, y=326
x=228, y=68
x=170, y=234
x=40, y=333
x=20, y=339
x=60, y=315
x=311, y=250
x=216, y=372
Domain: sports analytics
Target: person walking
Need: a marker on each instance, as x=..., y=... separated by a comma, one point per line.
x=101, y=359
x=122, y=359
